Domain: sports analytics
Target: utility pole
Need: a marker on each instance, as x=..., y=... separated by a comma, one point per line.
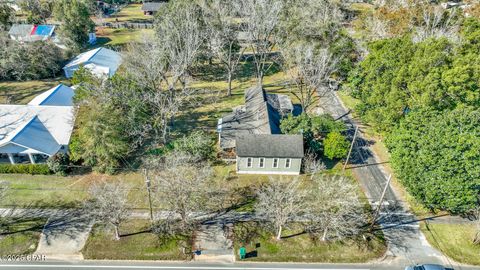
x=148, y=184
x=351, y=148
x=380, y=202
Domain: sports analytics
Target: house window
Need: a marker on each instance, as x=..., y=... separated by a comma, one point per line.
x=275, y=163
x=261, y=163
x=249, y=162
x=287, y=163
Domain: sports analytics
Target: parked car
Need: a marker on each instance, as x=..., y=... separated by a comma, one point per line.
x=426, y=267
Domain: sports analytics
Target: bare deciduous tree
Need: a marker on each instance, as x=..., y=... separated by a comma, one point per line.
x=185, y=188
x=223, y=36
x=377, y=28
x=280, y=202
x=260, y=21
x=437, y=23
x=109, y=204
x=161, y=64
x=4, y=190
x=311, y=71
x=312, y=164
x=335, y=210
x=476, y=237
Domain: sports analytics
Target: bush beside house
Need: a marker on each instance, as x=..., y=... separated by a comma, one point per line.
x=25, y=168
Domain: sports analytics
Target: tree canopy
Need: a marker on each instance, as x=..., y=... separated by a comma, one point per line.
x=437, y=157
x=399, y=75
x=314, y=130
x=76, y=22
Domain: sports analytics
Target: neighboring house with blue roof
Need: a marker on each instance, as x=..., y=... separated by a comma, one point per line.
x=101, y=62
x=32, y=32
x=38, y=130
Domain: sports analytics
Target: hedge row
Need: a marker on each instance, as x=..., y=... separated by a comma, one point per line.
x=25, y=168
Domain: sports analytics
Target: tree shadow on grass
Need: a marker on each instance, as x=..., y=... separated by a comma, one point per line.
x=101, y=41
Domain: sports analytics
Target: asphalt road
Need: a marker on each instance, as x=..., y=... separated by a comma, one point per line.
x=89, y=265
x=406, y=243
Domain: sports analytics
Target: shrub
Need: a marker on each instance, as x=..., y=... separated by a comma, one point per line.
x=25, y=168
x=198, y=144
x=336, y=145
x=58, y=163
x=30, y=61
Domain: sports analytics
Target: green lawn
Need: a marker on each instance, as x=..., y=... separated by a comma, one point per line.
x=58, y=191
x=130, y=13
x=119, y=37
x=298, y=247
x=212, y=86
x=136, y=243
x=454, y=240
x=15, y=92
x=20, y=237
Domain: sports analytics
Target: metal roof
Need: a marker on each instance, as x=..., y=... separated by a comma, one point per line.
x=152, y=6
x=41, y=126
x=60, y=95
x=100, y=60
x=270, y=145
x=260, y=115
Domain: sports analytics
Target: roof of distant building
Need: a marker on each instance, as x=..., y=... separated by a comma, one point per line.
x=152, y=6
x=31, y=32
x=269, y=145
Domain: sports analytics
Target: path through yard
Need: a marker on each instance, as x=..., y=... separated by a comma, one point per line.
x=214, y=242
x=64, y=235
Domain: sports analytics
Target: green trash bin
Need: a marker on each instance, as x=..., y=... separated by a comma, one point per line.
x=243, y=253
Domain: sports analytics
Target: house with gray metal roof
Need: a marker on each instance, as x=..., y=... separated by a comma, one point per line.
x=269, y=154
x=251, y=134
x=261, y=114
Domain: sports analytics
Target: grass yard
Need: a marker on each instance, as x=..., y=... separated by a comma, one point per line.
x=215, y=102
x=135, y=244
x=20, y=238
x=454, y=240
x=57, y=191
x=298, y=247
x=119, y=37
x=15, y=92
x=130, y=13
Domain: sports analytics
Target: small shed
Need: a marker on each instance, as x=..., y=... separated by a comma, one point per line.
x=102, y=62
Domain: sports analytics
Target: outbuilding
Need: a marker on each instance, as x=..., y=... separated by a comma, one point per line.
x=102, y=62
x=151, y=8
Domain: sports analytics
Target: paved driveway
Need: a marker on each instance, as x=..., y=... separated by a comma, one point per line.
x=65, y=234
